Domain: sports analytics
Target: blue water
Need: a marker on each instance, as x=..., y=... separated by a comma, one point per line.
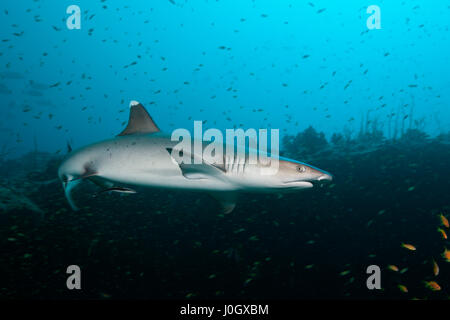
x=253, y=64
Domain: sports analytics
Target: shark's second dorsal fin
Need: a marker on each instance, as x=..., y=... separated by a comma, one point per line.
x=139, y=121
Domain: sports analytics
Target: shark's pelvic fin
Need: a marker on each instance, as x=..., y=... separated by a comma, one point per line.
x=139, y=121
x=227, y=200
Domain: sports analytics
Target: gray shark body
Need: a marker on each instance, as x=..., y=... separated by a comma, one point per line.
x=142, y=156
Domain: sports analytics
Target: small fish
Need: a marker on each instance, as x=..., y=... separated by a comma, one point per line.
x=347, y=85
x=444, y=220
x=444, y=235
x=393, y=267
x=435, y=268
x=403, y=288
x=446, y=255
x=408, y=246
x=432, y=285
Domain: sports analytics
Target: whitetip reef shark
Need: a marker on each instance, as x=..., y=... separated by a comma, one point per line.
x=142, y=156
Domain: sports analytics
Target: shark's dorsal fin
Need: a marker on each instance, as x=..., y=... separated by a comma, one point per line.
x=139, y=121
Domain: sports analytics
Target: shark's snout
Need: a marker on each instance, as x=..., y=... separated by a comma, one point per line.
x=325, y=177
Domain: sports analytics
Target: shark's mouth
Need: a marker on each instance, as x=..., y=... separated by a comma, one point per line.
x=298, y=184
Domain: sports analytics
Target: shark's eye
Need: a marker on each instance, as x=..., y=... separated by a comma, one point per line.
x=301, y=169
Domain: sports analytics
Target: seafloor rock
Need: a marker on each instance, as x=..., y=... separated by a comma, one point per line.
x=12, y=200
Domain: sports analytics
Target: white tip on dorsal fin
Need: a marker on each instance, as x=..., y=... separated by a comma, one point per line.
x=139, y=121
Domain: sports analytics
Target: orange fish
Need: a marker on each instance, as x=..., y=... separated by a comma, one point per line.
x=444, y=220
x=444, y=235
x=446, y=255
x=432, y=285
x=402, y=288
x=435, y=268
x=393, y=267
x=408, y=246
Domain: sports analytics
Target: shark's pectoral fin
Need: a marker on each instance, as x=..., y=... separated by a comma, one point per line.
x=199, y=171
x=227, y=200
x=196, y=168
